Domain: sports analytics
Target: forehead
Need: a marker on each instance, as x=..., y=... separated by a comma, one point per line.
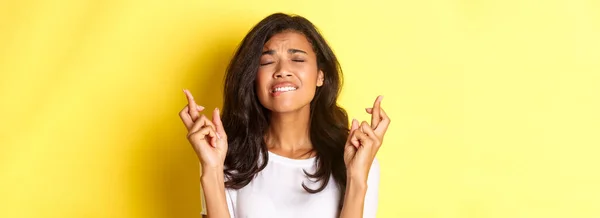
x=288, y=39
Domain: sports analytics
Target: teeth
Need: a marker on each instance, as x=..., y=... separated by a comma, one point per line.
x=284, y=89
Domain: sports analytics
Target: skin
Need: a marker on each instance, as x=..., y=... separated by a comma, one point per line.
x=287, y=57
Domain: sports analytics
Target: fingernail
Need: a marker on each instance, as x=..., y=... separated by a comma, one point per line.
x=200, y=107
x=218, y=136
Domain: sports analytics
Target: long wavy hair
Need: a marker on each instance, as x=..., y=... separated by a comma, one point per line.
x=246, y=121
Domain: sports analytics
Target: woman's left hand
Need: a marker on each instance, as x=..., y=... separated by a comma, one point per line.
x=364, y=141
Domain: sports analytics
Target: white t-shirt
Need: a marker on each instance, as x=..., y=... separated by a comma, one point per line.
x=276, y=192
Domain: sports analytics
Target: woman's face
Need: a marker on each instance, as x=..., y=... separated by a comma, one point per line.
x=288, y=75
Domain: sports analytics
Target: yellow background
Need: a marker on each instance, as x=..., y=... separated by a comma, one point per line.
x=495, y=104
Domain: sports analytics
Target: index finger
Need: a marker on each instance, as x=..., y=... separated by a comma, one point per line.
x=383, y=124
x=191, y=104
x=375, y=116
x=218, y=123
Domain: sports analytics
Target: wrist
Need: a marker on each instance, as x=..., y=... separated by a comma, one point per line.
x=356, y=178
x=356, y=185
x=212, y=173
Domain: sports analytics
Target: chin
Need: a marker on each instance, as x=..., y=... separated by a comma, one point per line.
x=285, y=108
x=288, y=106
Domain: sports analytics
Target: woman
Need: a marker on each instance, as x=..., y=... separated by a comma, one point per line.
x=282, y=147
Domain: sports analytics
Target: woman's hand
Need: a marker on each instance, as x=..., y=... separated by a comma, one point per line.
x=207, y=137
x=364, y=141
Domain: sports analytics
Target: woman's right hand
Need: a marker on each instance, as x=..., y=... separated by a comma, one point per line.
x=207, y=137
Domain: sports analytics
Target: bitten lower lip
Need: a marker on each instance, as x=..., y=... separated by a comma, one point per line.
x=282, y=90
x=283, y=87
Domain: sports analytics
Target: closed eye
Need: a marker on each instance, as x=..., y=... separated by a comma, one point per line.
x=264, y=64
x=298, y=60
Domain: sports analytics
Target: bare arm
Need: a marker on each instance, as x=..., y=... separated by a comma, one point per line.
x=354, y=200
x=361, y=198
x=209, y=140
x=362, y=168
x=213, y=185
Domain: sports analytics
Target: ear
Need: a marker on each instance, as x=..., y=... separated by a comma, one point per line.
x=320, y=78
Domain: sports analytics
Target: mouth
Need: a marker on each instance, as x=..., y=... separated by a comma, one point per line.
x=284, y=89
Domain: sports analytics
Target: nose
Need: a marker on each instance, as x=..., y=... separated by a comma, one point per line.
x=282, y=71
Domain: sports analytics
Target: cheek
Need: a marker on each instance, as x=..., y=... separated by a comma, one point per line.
x=309, y=76
x=261, y=79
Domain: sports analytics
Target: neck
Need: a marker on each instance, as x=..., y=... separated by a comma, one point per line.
x=289, y=132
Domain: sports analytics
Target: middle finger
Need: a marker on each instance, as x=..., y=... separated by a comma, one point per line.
x=191, y=104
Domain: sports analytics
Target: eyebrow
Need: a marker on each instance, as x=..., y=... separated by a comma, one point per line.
x=291, y=51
